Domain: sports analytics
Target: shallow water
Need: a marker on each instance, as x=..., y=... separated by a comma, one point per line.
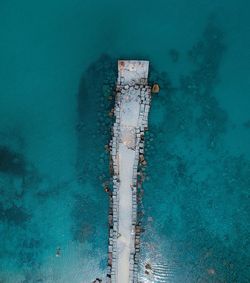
x=55, y=95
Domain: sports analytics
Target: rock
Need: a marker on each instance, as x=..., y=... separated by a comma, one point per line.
x=137, y=229
x=148, y=266
x=141, y=157
x=155, y=88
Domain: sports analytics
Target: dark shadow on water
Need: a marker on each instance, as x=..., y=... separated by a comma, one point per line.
x=90, y=208
x=95, y=100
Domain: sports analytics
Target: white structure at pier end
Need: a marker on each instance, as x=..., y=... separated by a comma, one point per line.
x=131, y=113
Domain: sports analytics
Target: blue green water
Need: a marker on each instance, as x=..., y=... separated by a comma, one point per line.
x=55, y=88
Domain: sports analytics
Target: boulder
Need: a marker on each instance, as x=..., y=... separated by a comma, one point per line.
x=155, y=88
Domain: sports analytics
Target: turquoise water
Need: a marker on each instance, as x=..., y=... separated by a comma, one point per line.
x=56, y=83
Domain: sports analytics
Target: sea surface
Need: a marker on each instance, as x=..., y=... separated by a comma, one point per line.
x=58, y=65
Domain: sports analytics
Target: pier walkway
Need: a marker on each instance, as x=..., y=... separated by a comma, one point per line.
x=127, y=147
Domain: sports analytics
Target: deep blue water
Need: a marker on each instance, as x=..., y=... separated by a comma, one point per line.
x=57, y=72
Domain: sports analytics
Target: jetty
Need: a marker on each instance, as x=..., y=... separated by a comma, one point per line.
x=132, y=104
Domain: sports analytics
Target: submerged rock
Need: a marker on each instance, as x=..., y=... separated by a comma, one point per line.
x=148, y=266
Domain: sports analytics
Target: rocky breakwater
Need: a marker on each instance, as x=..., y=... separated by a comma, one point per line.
x=132, y=105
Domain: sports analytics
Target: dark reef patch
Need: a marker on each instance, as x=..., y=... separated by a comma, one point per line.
x=29, y=253
x=20, y=240
x=11, y=162
x=247, y=124
x=84, y=230
x=174, y=55
x=14, y=215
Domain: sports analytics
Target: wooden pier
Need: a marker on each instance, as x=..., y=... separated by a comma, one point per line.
x=132, y=104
